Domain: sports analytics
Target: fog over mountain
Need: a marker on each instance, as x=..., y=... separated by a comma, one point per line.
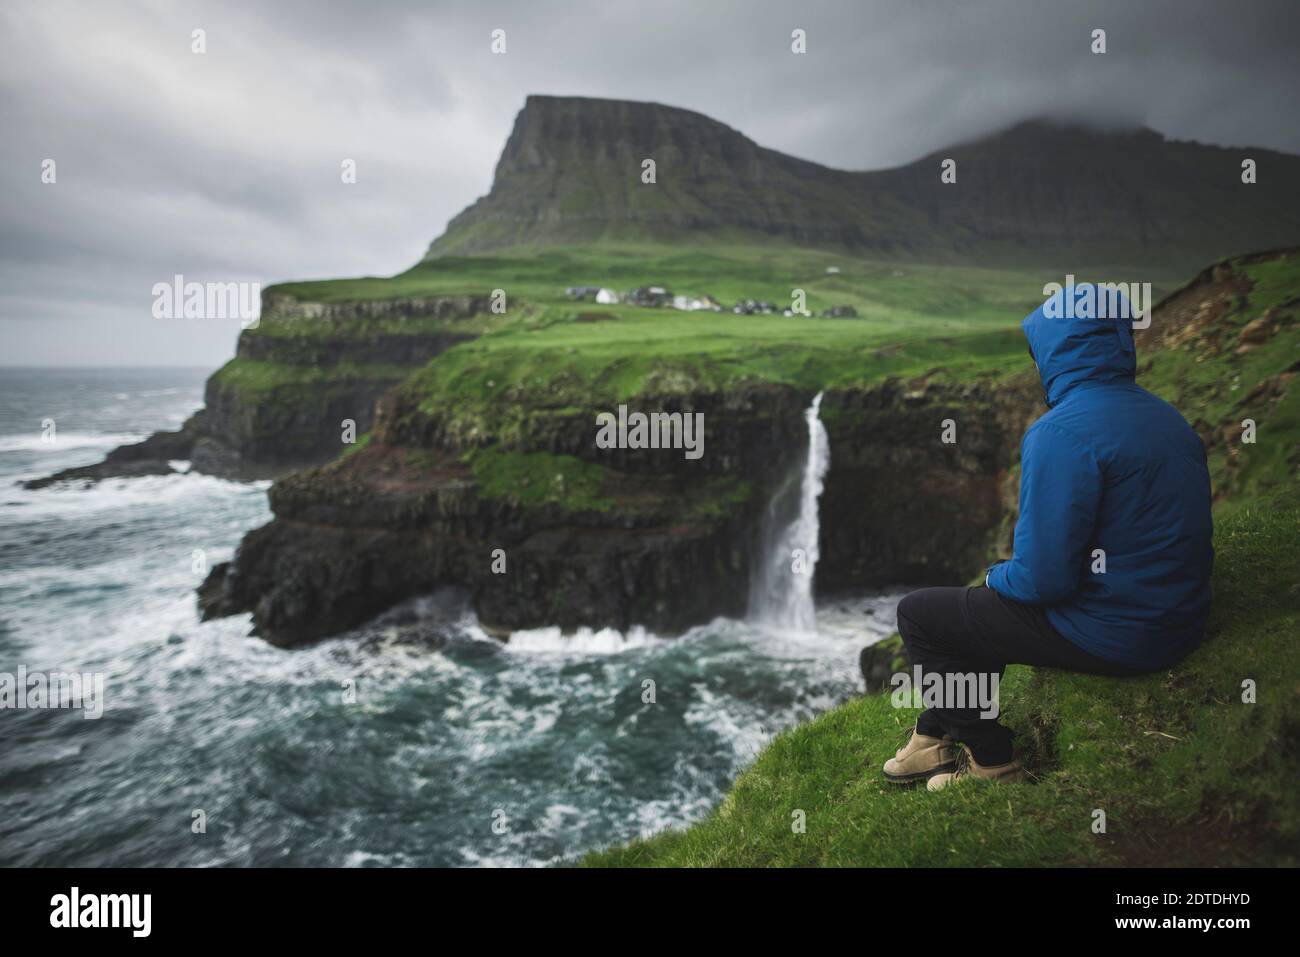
x=225, y=165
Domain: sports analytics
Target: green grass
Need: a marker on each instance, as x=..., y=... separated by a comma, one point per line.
x=289, y=331
x=640, y=350
x=1214, y=385
x=539, y=478
x=534, y=480
x=362, y=442
x=249, y=375
x=728, y=272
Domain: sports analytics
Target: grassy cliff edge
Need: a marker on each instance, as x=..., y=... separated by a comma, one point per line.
x=1194, y=765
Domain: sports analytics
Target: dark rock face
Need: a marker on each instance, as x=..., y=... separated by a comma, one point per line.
x=405, y=515
x=303, y=581
x=917, y=509
x=880, y=662
x=150, y=457
x=744, y=426
x=1038, y=192
x=285, y=428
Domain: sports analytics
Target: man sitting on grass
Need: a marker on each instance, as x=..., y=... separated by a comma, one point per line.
x=1111, y=567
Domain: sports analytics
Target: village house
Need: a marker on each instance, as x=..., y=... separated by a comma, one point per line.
x=653, y=296
x=696, y=303
x=839, y=312
x=661, y=297
x=754, y=307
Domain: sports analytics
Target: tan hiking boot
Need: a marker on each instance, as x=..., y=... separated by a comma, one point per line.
x=968, y=767
x=921, y=757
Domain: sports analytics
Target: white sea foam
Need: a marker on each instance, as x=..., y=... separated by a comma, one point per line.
x=583, y=641
x=73, y=501
x=66, y=441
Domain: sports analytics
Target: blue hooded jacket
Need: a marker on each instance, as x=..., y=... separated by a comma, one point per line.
x=1112, y=467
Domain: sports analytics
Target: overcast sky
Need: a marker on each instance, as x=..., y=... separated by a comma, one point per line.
x=225, y=165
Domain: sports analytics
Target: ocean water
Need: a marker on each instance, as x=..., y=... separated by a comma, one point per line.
x=415, y=740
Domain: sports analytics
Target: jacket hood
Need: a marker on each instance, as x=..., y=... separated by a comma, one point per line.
x=1081, y=334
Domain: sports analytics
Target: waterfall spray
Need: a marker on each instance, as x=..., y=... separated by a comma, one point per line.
x=782, y=597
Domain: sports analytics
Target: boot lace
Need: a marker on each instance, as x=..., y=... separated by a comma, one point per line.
x=963, y=763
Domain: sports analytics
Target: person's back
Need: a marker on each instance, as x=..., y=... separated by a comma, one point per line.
x=1147, y=601
x=1110, y=571
x=1114, y=533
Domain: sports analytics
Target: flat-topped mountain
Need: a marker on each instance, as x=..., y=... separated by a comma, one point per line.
x=1040, y=192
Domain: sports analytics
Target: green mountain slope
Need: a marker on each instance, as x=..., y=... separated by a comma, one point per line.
x=571, y=173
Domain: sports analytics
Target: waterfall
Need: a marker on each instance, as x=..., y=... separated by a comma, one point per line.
x=781, y=594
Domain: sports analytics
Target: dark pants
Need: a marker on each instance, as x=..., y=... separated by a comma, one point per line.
x=965, y=631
